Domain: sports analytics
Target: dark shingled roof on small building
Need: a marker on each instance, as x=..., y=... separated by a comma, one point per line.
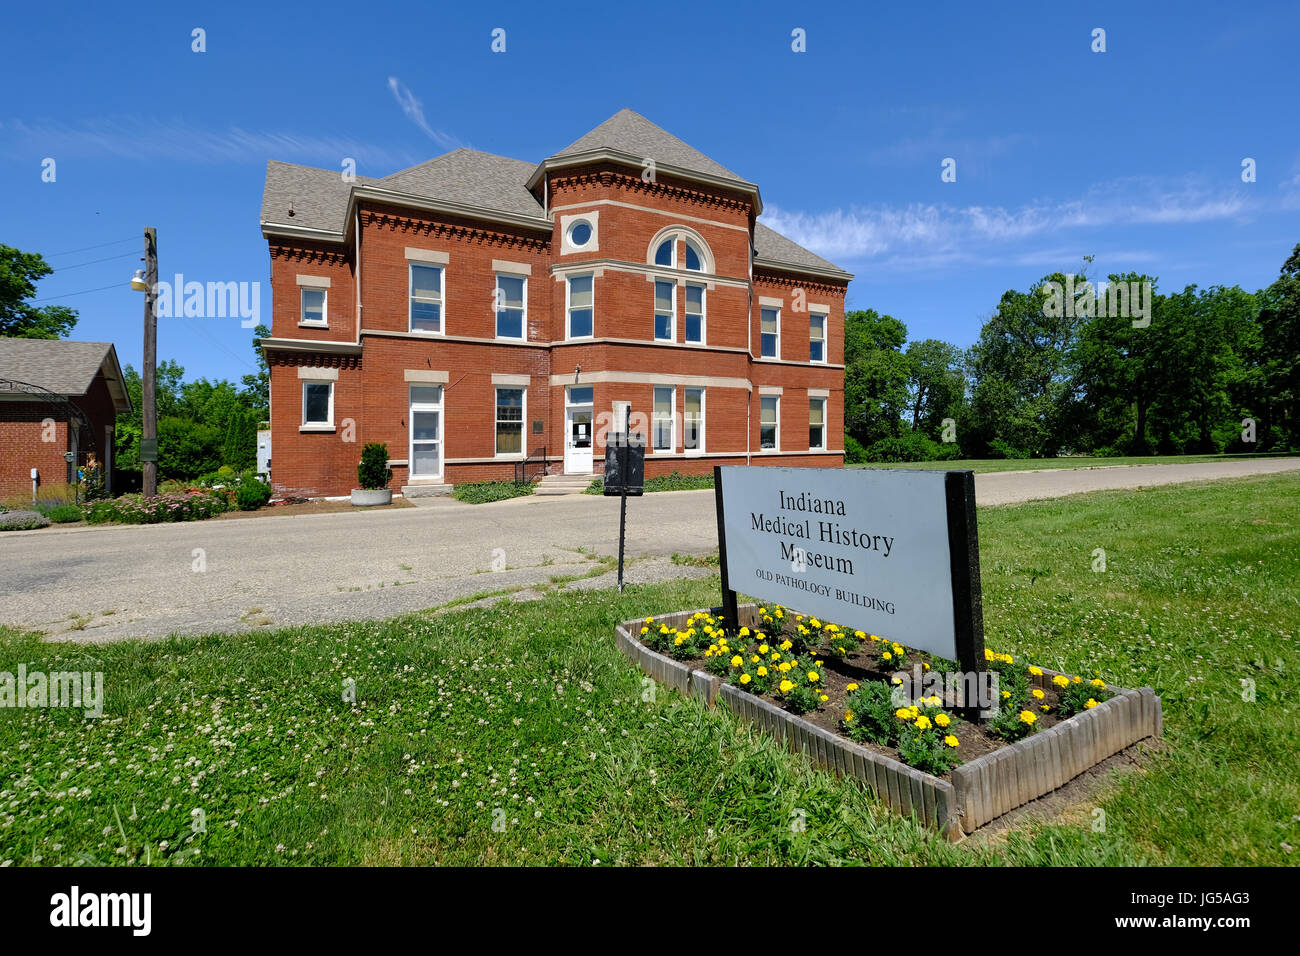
x=63, y=367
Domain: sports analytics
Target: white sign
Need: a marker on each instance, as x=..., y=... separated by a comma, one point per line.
x=864, y=548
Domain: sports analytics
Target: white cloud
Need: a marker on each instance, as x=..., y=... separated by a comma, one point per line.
x=414, y=111
x=921, y=235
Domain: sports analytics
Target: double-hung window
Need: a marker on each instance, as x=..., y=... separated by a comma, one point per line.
x=693, y=422
x=770, y=333
x=694, y=312
x=510, y=421
x=510, y=309
x=816, y=424
x=426, y=298
x=769, y=422
x=665, y=310
x=817, y=337
x=580, y=307
x=662, y=424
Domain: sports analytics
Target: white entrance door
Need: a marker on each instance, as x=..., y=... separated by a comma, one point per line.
x=578, y=435
x=426, y=432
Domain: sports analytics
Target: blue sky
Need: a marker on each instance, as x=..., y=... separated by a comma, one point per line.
x=1132, y=155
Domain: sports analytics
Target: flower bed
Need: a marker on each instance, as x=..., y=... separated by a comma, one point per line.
x=834, y=694
x=174, y=506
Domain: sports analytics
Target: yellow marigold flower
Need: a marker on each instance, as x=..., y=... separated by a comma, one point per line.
x=1006, y=659
x=1035, y=671
x=677, y=641
x=1090, y=704
x=663, y=628
x=745, y=678
x=896, y=681
x=897, y=648
x=1060, y=680
x=762, y=672
x=914, y=711
x=848, y=716
x=1006, y=694
x=1028, y=717
x=762, y=610
x=775, y=656
x=1099, y=684
x=923, y=722
x=763, y=648
x=1045, y=708
x=824, y=698
x=755, y=659
x=737, y=661
x=859, y=635
x=813, y=677
x=1077, y=679
x=744, y=632
x=1037, y=693
x=886, y=656
x=925, y=665
x=649, y=620
x=988, y=654
x=645, y=630
x=943, y=720
x=951, y=741
x=784, y=667
x=786, y=687
x=785, y=645
x=780, y=613
x=851, y=687
x=814, y=622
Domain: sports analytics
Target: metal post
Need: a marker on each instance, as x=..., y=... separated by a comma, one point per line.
x=622, y=507
x=149, y=411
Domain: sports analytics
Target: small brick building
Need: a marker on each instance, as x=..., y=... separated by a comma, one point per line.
x=57, y=397
x=476, y=311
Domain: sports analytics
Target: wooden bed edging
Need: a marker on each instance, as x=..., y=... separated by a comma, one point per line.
x=980, y=791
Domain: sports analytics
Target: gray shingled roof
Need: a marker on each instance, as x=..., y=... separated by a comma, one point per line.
x=473, y=178
x=770, y=244
x=318, y=197
x=629, y=132
x=59, y=366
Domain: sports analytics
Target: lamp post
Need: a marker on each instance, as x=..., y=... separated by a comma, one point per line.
x=146, y=280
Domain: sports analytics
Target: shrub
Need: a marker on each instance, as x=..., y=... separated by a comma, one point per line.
x=481, y=492
x=373, y=472
x=910, y=446
x=252, y=494
x=1001, y=449
x=23, y=520
x=854, y=453
x=1106, y=451
x=64, y=513
x=674, y=481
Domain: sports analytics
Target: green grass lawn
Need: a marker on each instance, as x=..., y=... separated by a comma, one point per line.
x=525, y=716
x=980, y=465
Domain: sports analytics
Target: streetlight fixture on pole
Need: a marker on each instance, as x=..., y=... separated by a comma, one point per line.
x=148, y=284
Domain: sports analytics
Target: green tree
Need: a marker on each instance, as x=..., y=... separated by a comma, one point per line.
x=1278, y=393
x=936, y=385
x=258, y=386
x=19, y=272
x=876, y=375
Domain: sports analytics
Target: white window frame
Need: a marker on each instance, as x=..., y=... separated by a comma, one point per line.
x=496, y=421
x=812, y=400
x=825, y=339
x=702, y=429
x=317, y=381
x=672, y=311
x=672, y=420
x=413, y=407
x=568, y=305
x=442, y=297
x=496, y=312
x=304, y=322
x=777, y=310
x=686, y=303
x=776, y=444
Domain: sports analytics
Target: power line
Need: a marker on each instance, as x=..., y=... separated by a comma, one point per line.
x=116, y=242
x=94, y=261
x=66, y=295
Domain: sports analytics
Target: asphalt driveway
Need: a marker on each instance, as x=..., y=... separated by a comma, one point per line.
x=106, y=583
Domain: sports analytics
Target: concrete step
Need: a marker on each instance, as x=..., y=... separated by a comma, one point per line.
x=426, y=490
x=562, y=485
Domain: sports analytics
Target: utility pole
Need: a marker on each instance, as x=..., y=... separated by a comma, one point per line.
x=149, y=413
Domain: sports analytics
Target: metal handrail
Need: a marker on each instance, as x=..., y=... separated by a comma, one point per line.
x=537, y=459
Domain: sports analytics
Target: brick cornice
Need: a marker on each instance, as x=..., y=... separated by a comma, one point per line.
x=692, y=195
x=813, y=286
x=450, y=230
x=317, y=254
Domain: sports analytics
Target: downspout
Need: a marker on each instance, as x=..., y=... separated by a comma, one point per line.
x=357, y=256
x=749, y=356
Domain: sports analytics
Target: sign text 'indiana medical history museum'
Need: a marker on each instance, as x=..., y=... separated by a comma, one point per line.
x=890, y=552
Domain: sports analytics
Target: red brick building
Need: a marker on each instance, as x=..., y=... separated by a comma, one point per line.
x=476, y=310
x=56, y=398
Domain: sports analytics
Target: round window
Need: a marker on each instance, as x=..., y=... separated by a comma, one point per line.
x=579, y=234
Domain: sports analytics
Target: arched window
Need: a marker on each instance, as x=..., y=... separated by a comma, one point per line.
x=697, y=256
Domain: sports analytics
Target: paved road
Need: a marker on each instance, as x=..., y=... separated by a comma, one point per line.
x=105, y=583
